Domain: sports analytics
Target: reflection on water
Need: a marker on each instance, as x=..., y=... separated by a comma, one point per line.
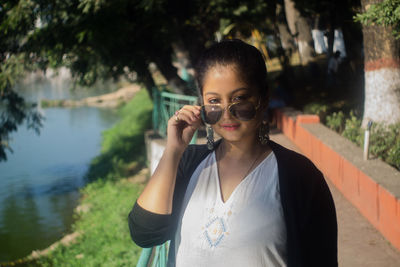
x=34, y=222
x=39, y=182
x=37, y=87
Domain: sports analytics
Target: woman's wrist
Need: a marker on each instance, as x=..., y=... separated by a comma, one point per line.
x=174, y=151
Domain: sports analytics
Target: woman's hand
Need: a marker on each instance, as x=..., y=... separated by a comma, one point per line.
x=182, y=126
x=158, y=194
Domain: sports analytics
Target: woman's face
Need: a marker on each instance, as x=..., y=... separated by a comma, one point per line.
x=223, y=86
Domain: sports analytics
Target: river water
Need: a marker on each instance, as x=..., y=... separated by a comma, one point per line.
x=40, y=181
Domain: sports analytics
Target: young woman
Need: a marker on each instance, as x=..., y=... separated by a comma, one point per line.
x=243, y=200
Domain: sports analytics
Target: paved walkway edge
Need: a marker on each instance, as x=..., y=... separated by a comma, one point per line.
x=372, y=186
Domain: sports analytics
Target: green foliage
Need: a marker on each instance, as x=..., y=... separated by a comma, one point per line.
x=336, y=121
x=98, y=39
x=393, y=155
x=46, y=103
x=124, y=143
x=11, y=70
x=105, y=239
x=103, y=39
x=386, y=13
x=15, y=20
x=353, y=130
x=384, y=141
x=14, y=110
x=317, y=109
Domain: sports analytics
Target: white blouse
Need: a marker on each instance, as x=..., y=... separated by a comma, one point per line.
x=246, y=230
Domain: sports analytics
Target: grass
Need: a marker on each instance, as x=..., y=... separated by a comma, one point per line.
x=46, y=103
x=123, y=150
x=105, y=239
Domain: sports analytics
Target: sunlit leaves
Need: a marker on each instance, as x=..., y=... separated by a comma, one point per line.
x=386, y=13
x=90, y=5
x=19, y=16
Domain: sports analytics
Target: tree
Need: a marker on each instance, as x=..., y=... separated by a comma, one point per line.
x=300, y=28
x=14, y=110
x=110, y=38
x=105, y=39
x=384, y=13
x=382, y=60
x=287, y=46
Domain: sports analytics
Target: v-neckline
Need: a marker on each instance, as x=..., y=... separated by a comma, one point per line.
x=219, y=189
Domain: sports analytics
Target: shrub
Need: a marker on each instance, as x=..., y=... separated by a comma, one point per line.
x=124, y=142
x=394, y=155
x=336, y=121
x=317, y=109
x=384, y=141
x=352, y=129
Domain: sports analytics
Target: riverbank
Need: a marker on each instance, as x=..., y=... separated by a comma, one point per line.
x=114, y=182
x=110, y=100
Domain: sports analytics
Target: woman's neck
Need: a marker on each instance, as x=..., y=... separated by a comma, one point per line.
x=240, y=150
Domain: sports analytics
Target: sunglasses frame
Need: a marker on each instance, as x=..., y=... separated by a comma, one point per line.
x=228, y=108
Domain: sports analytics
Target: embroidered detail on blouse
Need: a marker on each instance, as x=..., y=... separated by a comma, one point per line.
x=215, y=227
x=215, y=231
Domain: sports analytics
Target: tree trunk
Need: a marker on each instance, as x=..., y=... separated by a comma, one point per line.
x=286, y=38
x=285, y=45
x=305, y=41
x=300, y=28
x=382, y=73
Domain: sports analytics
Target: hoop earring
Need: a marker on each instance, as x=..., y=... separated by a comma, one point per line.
x=263, y=132
x=210, y=138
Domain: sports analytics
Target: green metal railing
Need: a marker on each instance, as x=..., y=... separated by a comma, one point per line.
x=164, y=106
x=154, y=257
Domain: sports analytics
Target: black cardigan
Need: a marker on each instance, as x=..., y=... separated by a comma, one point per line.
x=308, y=209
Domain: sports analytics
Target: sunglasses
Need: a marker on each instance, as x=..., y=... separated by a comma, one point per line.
x=243, y=111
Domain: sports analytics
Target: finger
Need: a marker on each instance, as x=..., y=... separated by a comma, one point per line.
x=191, y=113
x=180, y=117
x=187, y=117
x=194, y=109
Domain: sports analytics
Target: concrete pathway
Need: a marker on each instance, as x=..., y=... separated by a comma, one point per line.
x=360, y=244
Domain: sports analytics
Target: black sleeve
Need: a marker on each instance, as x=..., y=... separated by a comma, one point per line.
x=321, y=227
x=309, y=211
x=149, y=229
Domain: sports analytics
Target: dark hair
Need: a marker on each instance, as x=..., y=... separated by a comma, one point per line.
x=246, y=59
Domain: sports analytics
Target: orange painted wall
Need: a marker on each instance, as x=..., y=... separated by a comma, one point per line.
x=374, y=202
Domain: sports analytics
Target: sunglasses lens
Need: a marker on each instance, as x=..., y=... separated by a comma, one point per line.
x=243, y=111
x=211, y=114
